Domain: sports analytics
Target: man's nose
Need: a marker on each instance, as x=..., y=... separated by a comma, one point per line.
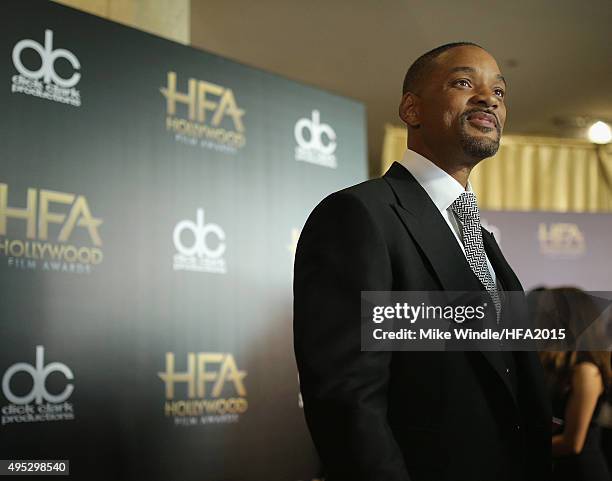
x=485, y=99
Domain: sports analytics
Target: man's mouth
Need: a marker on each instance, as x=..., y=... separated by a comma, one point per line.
x=482, y=119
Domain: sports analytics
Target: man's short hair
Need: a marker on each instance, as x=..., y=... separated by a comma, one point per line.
x=418, y=69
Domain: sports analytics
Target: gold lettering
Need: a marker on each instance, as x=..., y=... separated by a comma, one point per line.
x=228, y=106
x=203, y=103
x=230, y=372
x=199, y=407
x=56, y=251
x=172, y=96
x=203, y=359
x=29, y=213
x=16, y=248
x=81, y=215
x=561, y=237
x=44, y=216
x=205, y=92
x=170, y=377
x=96, y=256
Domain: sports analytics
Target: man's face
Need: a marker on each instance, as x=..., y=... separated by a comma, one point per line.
x=462, y=103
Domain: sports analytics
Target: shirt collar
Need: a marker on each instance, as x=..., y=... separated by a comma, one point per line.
x=442, y=188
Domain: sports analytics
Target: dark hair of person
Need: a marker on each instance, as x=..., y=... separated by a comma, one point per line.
x=575, y=311
x=420, y=66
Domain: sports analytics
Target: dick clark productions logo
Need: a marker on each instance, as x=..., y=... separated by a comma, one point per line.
x=200, y=246
x=316, y=142
x=44, y=81
x=39, y=404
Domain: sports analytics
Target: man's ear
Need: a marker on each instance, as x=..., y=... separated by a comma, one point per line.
x=409, y=110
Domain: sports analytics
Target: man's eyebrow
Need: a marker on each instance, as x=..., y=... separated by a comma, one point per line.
x=463, y=69
x=473, y=70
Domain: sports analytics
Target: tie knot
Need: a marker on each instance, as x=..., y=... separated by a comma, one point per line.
x=466, y=207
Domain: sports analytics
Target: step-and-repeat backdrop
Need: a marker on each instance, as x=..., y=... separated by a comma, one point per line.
x=151, y=197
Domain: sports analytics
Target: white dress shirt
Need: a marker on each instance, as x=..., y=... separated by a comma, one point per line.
x=443, y=189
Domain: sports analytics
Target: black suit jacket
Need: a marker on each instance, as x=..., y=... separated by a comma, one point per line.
x=398, y=416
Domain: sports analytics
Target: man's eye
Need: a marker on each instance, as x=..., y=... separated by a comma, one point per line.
x=499, y=93
x=462, y=83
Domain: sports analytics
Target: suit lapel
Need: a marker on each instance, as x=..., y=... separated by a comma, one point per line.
x=501, y=267
x=430, y=231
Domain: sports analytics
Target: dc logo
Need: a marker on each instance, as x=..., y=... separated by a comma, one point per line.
x=316, y=142
x=201, y=233
x=48, y=57
x=322, y=137
x=39, y=374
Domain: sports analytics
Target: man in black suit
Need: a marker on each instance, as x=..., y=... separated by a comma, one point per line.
x=418, y=416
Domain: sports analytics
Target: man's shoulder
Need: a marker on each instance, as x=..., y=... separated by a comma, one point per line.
x=355, y=204
x=373, y=197
x=369, y=192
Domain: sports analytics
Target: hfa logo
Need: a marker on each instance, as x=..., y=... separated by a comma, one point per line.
x=38, y=404
x=214, y=388
x=44, y=81
x=213, y=118
x=561, y=239
x=316, y=142
x=203, y=250
x=39, y=214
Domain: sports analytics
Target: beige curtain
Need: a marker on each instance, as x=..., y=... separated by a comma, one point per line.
x=533, y=173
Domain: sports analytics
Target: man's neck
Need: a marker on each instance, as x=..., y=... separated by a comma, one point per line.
x=458, y=171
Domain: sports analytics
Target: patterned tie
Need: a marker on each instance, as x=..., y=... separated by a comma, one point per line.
x=466, y=208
